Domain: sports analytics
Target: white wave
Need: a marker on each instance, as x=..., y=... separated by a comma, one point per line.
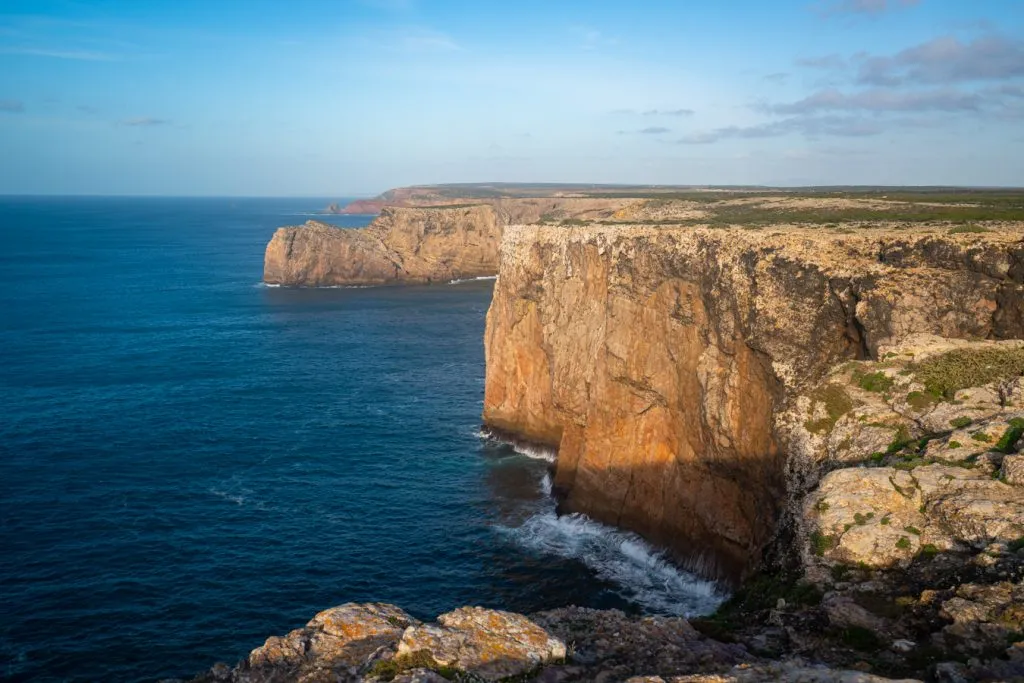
x=640, y=573
x=545, y=484
x=262, y=285
x=535, y=451
x=458, y=281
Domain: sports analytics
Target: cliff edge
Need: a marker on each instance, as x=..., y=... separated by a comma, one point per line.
x=661, y=360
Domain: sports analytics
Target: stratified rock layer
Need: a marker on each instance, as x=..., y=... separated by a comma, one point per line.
x=656, y=359
x=401, y=245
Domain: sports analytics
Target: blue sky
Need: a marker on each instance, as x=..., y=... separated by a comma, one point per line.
x=343, y=97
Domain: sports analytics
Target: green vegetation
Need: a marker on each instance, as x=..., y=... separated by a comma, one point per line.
x=821, y=543
x=861, y=520
x=928, y=551
x=387, y=669
x=912, y=530
x=961, y=422
x=954, y=444
x=573, y=221
x=1016, y=545
x=874, y=381
x=903, y=543
x=982, y=437
x=1009, y=439
x=950, y=372
x=757, y=595
x=822, y=505
x=837, y=403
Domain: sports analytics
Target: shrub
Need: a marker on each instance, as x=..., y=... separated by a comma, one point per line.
x=1010, y=437
x=876, y=382
x=960, y=422
x=912, y=530
x=821, y=543
x=960, y=229
x=954, y=444
x=903, y=543
x=950, y=372
x=982, y=437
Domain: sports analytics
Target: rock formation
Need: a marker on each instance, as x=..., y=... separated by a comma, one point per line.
x=401, y=245
x=659, y=360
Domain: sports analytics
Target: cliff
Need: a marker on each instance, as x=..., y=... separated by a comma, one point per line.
x=661, y=361
x=401, y=245
x=414, y=245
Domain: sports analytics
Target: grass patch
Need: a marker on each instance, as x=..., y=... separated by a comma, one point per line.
x=952, y=445
x=573, y=221
x=982, y=437
x=903, y=543
x=912, y=530
x=960, y=422
x=928, y=551
x=837, y=403
x=1010, y=437
x=969, y=228
x=387, y=669
x=822, y=543
x=950, y=372
x=875, y=381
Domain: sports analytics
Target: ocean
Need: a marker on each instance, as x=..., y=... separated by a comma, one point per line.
x=192, y=461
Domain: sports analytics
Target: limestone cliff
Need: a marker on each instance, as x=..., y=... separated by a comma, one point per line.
x=658, y=360
x=401, y=245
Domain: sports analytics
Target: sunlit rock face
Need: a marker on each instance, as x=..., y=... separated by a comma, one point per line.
x=660, y=360
x=401, y=245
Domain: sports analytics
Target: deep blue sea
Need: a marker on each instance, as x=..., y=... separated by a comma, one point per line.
x=191, y=461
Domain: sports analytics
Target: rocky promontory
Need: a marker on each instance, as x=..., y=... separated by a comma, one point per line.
x=400, y=245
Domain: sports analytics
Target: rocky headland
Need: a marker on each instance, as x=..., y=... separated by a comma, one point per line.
x=818, y=400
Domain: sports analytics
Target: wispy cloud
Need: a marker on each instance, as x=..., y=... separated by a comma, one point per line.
x=12, y=106
x=947, y=60
x=669, y=112
x=144, y=121
x=872, y=7
x=881, y=100
x=776, y=77
x=79, y=55
x=651, y=130
x=808, y=126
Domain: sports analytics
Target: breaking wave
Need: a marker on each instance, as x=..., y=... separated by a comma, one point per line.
x=530, y=450
x=459, y=281
x=638, y=572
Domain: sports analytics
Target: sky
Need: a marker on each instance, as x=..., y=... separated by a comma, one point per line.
x=351, y=97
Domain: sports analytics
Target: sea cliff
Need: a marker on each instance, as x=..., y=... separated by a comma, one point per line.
x=660, y=360
x=401, y=245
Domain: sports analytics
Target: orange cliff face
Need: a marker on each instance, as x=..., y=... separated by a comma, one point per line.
x=401, y=245
x=660, y=361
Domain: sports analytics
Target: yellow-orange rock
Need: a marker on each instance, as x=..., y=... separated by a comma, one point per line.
x=401, y=245
x=656, y=359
